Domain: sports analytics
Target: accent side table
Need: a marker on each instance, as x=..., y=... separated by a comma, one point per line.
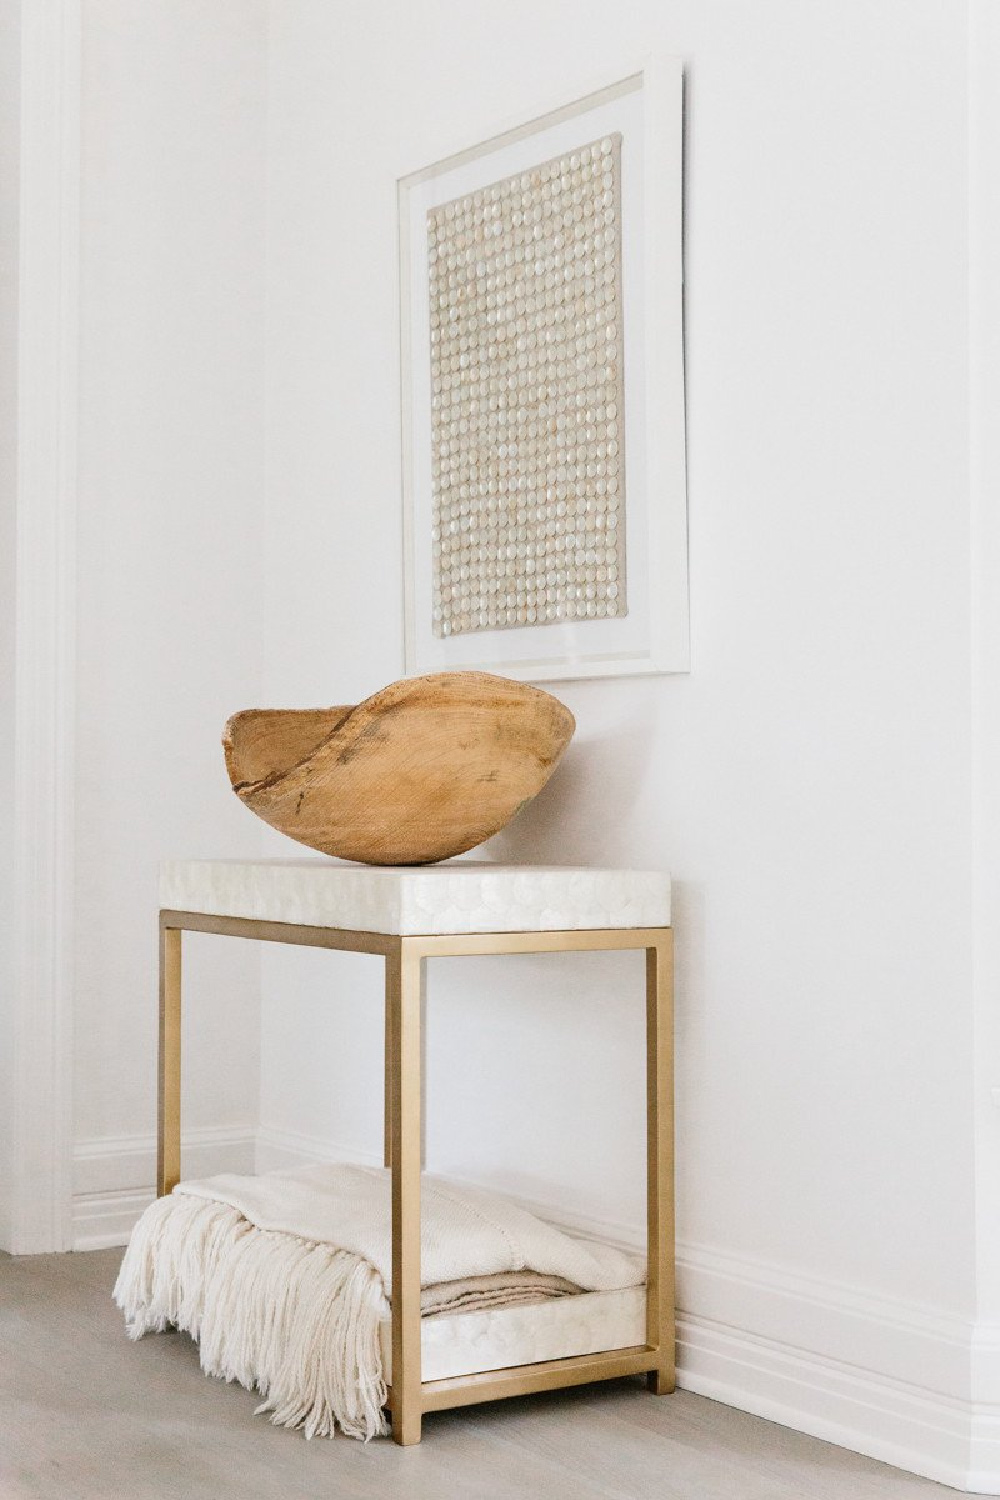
x=406, y=916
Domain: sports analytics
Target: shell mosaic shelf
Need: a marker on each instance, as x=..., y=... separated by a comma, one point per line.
x=526, y=339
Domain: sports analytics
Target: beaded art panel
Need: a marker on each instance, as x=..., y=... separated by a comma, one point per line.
x=527, y=413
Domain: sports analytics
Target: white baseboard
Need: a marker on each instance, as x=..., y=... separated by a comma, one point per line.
x=883, y=1378
x=102, y=1221
x=277, y=1149
x=114, y=1177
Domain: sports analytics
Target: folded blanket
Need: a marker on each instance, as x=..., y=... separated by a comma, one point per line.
x=283, y=1278
x=506, y=1289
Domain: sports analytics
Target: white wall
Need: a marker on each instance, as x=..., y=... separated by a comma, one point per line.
x=170, y=560
x=10, y=136
x=809, y=782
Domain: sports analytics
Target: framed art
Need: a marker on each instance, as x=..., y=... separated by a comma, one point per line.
x=544, y=501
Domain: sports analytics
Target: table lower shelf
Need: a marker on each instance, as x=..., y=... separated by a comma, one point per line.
x=494, y=1339
x=547, y=1375
x=498, y=1352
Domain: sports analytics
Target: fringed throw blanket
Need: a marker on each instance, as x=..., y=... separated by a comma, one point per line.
x=283, y=1279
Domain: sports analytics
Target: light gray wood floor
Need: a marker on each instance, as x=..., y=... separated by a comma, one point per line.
x=87, y=1415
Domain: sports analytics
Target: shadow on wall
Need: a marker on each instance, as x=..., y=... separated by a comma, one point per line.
x=602, y=806
x=588, y=812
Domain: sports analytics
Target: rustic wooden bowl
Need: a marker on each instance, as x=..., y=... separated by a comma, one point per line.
x=427, y=768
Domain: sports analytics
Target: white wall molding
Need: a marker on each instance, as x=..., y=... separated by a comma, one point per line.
x=114, y=1176
x=277, y=1149
x=863, y=1410
x=48, y=315
x=103, y=1221
x=984, y=1468
x=890, y=1379
x=984, y=493
x=984, y=489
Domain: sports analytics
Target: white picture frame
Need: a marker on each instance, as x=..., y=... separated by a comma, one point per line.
x=644, y=106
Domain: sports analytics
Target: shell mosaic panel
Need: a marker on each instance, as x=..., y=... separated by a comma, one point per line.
x=527, y=415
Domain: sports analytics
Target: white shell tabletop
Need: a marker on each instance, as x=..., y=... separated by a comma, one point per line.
x=454, y=897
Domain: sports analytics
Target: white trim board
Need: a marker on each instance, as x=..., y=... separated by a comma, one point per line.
x=941, y=1438
x=44, y=691
x=984, y=555
x=114, y=1177
x=893, y=1380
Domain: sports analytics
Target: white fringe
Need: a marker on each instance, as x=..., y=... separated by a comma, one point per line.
x=294, y=1320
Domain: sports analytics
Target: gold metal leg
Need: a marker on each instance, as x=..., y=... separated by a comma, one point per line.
x=392, y=965
x=660, y=1330
x=168, y=1116
x=403, y=987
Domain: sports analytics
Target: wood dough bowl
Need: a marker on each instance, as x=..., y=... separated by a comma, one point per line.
x=427, y=768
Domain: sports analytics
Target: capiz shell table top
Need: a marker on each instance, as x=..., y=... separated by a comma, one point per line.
x=460, y=896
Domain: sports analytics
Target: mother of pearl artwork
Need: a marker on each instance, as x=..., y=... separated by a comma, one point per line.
x=527, y=404
x=541, y=361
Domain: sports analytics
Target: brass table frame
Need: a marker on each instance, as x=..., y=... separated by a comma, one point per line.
x=409, y=1397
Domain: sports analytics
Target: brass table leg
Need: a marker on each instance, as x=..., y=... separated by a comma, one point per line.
x=168, y=1113
x=404, y=978
x=392, y=966
x=660, y=1330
